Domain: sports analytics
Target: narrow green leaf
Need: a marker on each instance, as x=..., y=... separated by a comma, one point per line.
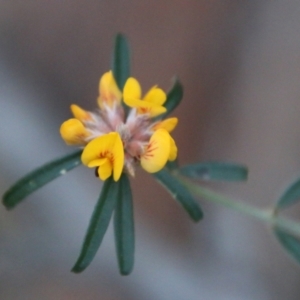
x=124, y=227
x=290, y=196
x=290, y=243
x=172, y=165
x=180, y=193
x=40, y=177
x=174, y=97
x=98, y=224
x=215, y=171
x=121, y=60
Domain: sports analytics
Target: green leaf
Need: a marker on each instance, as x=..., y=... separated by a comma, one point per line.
x=121, y=60
x=124, y=227
x=215, y=171
x=179, y=193
x=174, y=97
x=172, y=165
x=98, y=224
x=289, y=242
x=290, y=196
x=40, y=177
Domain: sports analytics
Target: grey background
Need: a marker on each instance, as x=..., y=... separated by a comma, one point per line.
x=240, y=65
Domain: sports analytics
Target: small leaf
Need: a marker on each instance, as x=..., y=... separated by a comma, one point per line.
x=124, y=227
x=289, y=242
x=179, y=193
x=98, y=224
x=174, y=97
x=290, y=196
x=40, y=177
x=215, y=171
x=121, y=60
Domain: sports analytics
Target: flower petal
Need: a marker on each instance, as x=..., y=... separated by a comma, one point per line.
x=118, y=162
x=157, y=151
x=132, y=89
x=144, y=107
x=173, y=150
x=168, y=124
x=80, y=113
x=110, y=147
x=108, y=90
x=105, y=170
x=96, y=162
x=73, y=132
x=97, y=148
x=156, y=95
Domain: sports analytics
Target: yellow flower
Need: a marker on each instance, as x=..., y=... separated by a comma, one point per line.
x=109, y=93
x=80, y=113
x=107, y=153
x=159, y=150
x=114, y=141
x=167, y=124
x=151, y=103
x=73, y=132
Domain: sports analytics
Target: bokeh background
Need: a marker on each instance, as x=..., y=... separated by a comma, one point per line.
x=240, y=65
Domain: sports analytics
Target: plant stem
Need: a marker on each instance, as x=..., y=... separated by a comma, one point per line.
x=265, y=215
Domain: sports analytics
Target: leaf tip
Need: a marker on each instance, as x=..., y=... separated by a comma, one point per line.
x=176, y=85
x=77, y=269
x=198, y=217
x=6, y=203
x=126, y=268
x=125, y=272
x=8, y=208
x=120, y=35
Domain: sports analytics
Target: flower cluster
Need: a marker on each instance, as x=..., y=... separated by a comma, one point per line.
x=115, y=139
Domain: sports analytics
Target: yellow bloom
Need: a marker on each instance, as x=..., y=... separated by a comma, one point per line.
x=107, y=153
x=73, y=132
x=168, y=124
x=113, y=140
x=151, y=103
x=80, y=113
x=159, y=150
x=109, y=93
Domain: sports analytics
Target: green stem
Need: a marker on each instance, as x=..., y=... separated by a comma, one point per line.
x=265, y=215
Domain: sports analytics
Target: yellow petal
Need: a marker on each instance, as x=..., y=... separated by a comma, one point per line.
x=73, y=132
x=132, y=89
x=80, y=113
x=173, y=150
x=105, y=169
x=98, y=148
x=157, y=152
x=110, y=147
x=96, y=162
x=144, y=107
x=91, y=151
x=168, y=124
x=118, y=162
x=109, y=93
x=156, y=95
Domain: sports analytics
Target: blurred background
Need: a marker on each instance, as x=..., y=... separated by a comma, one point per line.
x=239, y=62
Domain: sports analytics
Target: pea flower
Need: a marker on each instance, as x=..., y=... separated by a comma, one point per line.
x=127, y=130
x=114, y=142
